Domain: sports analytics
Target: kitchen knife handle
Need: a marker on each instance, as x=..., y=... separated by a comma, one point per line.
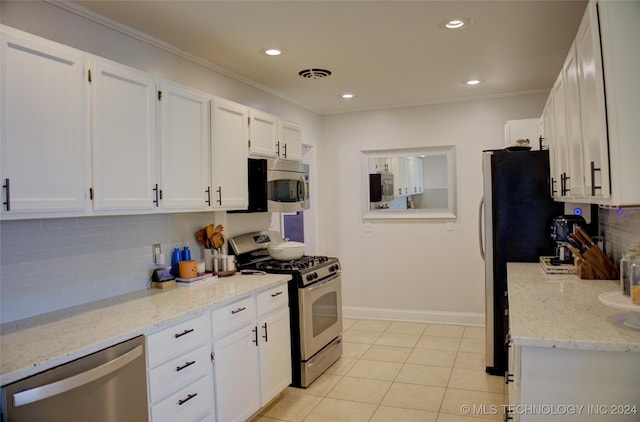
x=7, y=189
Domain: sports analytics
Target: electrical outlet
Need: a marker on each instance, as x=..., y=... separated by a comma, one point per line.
x=156, y=250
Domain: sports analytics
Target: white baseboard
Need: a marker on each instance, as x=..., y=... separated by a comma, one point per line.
x=414, y=315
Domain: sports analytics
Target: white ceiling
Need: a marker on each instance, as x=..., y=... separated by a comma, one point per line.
x=388, y=53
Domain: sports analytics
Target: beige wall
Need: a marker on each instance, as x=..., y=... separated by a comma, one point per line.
x=416, y=270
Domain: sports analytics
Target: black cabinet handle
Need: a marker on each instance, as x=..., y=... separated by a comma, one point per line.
x=508, y=378
x=553, y=187
x=593, y=178
x=255, y=332
x=266, y=339
x=185, y=332
x=208, y=191
x=285, y=150
x=186, y=365
x=276, y=294
x=238, y=310
x=7, y=191
x=278, y=148
x=157, y=193
x=189, y=397
x=219, y=191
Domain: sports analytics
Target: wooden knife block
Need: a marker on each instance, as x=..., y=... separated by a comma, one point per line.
x=587, y=271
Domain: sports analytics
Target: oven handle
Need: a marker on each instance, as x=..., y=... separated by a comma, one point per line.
x=323, y=283
x=327, y=354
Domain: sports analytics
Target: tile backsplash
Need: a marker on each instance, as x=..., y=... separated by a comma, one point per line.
x=52, y=264
x=622, y=230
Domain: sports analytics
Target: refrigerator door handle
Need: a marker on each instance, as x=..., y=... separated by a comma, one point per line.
x=480, y=233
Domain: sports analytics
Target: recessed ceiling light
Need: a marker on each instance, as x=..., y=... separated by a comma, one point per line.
x=347, y=95
x=457, y=23
x=272, y=51
x=472, y=82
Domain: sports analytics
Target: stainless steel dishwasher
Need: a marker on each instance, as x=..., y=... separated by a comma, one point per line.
x=109, y=385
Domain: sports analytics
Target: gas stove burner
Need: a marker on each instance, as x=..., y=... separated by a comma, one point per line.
x=293, y=265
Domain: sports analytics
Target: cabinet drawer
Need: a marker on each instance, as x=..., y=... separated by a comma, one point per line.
x=178, y=339
x=179, y=372
x=232, y=317
x=273, y=299
x=191, y=404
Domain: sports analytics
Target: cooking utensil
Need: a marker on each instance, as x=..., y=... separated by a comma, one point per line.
x=286, y=251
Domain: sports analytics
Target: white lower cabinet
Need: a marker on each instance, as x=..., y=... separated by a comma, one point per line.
x=552, y=384
x=252, y=363
x=236, y=375
x=180, y=372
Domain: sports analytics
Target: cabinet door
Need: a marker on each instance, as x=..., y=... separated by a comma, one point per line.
x=548, y=133
x=263, y=131
x=573, y=124
x=592, y=106
x=229, y=155
x=275, y=355
x=44, y=140
x=236, y=376
x=290, y=141
x=124, y=138
x=560, y=126
x=184, y=140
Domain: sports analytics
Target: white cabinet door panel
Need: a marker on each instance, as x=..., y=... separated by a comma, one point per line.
x=592, y=106
x=236, y=376
x=275, y=355
x=263, y=131
x=290, y=141
x=230, y=127
x=185, y=163
x=44, y=141
x=124, y=138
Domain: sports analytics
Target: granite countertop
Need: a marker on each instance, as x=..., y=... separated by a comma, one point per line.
x=32, y=345
x=563, y=311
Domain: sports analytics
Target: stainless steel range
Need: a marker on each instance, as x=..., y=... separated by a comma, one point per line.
x=315, y=302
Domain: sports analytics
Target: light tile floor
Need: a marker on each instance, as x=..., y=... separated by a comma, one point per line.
x=399, y=371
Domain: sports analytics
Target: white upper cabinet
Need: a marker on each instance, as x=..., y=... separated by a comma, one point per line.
x=547, y=131
x=229, y=149
x=574, y=184
x=560, y=130
x=592, y=106
x=600, y=91
x=620, y=37
x=290, y=141
x=124, y=159
x=44, y=139
x=184, y=152
x=263, y=132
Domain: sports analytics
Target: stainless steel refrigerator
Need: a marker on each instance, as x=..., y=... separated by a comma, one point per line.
x=517, y=215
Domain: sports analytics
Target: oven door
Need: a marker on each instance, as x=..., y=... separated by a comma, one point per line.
x=320, y=307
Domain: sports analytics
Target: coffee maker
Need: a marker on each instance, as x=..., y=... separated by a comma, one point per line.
x=561, y=227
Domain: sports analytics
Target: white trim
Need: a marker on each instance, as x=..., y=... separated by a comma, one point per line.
x=414, y=315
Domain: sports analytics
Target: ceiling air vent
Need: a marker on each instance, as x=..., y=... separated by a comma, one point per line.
x=314, y=73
